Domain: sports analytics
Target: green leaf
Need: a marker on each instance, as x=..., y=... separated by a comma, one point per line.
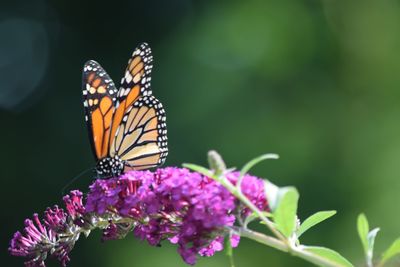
x=363, y=229
x=216, y=163
x=332, y=257
x=285, y=213
x=271, y=193
x=367, y=237
x=199, y=169
x=392, y=251
x=313, y=220
x=371, y=241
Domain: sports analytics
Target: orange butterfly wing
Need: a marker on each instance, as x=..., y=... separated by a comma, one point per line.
x=141, y=138
x=129, y=123
x=134, y=84
x=99, y=97
x=139, y=128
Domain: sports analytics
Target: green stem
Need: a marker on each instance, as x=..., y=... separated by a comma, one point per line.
x=104, y=223
x=263, y=239
x=278, y=241
x=231, y=261
x=238, y=194
x=282, y=246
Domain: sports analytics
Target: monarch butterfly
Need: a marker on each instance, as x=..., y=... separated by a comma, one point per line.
x=127, y=127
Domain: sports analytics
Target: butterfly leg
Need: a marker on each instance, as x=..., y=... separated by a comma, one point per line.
x=127, y=164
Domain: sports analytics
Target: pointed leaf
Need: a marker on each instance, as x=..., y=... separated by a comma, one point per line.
x=330, y=256
x=216, y=163
x=314, y=219
x=363, y=229
x=371, y=241
x=392, y=251
x=285, y=213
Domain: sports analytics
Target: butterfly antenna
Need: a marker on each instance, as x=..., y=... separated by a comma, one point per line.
x=74, y=180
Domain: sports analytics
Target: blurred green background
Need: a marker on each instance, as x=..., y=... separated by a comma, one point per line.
x=315, y=81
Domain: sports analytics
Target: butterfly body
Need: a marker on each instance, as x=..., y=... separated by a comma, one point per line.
x=109, y=167
x=127, y=127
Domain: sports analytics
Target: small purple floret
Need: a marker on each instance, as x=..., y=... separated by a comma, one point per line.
x=40, y=239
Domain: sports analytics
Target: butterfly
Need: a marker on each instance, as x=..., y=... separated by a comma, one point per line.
x=127, y=126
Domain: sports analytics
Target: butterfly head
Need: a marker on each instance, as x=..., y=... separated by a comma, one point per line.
x=109, y=167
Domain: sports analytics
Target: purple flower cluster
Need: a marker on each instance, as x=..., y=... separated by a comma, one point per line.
x=186, y=208
x=49, y=236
